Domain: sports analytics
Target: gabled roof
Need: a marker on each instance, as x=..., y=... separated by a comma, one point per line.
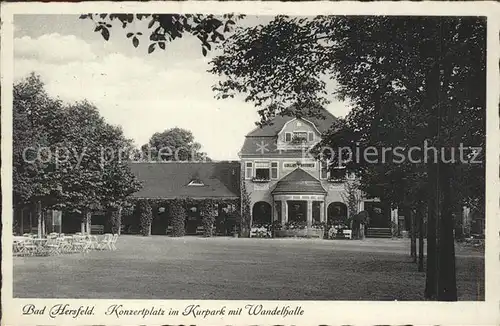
x=299, y=181
x=265, y=147
x=277, y=123
x=266, y=136
x=170, y=180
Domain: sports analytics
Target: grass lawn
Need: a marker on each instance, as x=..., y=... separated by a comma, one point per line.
x=160, y=267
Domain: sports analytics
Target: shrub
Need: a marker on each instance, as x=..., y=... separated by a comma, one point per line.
x=295, y=225
x=208, y=209
x=145, y=213
x=318, y=225
x=246, y=215
x=177, y=213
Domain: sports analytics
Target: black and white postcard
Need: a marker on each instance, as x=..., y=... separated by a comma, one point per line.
x=263, y=163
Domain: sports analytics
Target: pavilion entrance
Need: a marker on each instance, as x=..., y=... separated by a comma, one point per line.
x=301, y=198
x=297, y=211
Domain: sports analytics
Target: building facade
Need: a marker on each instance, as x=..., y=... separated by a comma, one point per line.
x=287, y=184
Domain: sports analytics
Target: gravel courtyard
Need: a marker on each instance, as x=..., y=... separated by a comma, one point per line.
x=160, y=267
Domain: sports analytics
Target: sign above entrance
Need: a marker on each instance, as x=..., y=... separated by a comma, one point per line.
x=303, y=165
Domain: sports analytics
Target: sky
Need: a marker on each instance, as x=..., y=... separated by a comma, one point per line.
x=143, y=93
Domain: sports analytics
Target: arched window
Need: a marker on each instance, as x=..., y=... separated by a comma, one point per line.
x=337, y=212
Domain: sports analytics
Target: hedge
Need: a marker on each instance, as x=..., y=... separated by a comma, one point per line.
x=208, y=209
x=145, y=213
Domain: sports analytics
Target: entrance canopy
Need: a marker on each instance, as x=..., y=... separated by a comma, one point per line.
x=299, y=181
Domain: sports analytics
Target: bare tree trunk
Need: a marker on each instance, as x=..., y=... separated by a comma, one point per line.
x=432, y=264
x=120, y=221
x=420, y=240
x=44, y=217
x=447, y=283
x=413, y=245
x=88, y=219
x=38, y=212
x=22, y=221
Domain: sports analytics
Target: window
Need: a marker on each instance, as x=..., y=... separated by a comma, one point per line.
x=300, y=134
x=337, y=173
x=288, y=136
x=299, y=137
x=262, y=170
x=196, y=182
x=248, y=170
x=324, y=171
x=332, y=172
x=311, y=136
x=274, y=170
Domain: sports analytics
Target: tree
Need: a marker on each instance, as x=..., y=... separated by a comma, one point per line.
x=119, y=182
x=63, y=164
x=352, y=196
x=174, y=144
x=35, y=117
x=209, y=29
x=409, y=69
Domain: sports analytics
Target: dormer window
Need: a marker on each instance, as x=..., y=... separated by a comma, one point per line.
x=299, y=137
x=196, y=183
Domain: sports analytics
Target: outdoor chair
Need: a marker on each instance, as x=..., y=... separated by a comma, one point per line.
x=79, y=244
x=18, y=248
x=29, y=248
x=113, y=242
x=54, y=246
x=105, y=242
x=66, y=244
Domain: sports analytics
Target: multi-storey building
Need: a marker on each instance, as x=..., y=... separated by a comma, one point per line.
x=285, y=183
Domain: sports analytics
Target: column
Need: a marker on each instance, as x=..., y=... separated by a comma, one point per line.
x=275, y=212
x=309, y=213
x=322, y=211
x=284, y=211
